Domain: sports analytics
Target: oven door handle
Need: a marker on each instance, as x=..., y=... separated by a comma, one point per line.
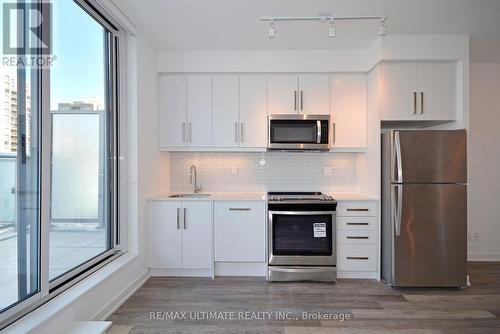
x=303, y=213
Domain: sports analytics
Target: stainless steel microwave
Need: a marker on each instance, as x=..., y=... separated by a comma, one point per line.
x=299, y=132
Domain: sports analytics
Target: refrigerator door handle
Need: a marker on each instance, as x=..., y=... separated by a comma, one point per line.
x=397, y=148
x=397, y=208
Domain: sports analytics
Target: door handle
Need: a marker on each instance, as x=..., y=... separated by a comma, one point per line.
x=397, y=208
x=357, y=224
x=183, y=132
x=333, y=132
x=184, y=223
x=397, y=148
x=294, y=100
x=239, y=209
x=178, y=218
x=357, y=237
x=360, y=209
x=421, y=103
x=318, y=133
x=236, y=132
x=190, y=132
x=414, y=103
x=242, y=137
x=357, y=257
x=301, y=100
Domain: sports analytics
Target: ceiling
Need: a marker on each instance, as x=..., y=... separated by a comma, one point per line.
x=234, y=24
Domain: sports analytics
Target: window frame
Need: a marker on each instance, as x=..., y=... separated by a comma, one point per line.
x=115, y=39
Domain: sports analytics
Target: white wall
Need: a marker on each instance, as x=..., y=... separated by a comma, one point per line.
x=484, y=161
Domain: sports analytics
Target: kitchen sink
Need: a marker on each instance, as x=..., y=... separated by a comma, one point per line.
x=189, y=196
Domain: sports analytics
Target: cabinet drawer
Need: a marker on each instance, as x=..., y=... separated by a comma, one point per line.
x=357, y=209
x=357, y=237
x=240, y=231
x=356, y=223
x=353, y=257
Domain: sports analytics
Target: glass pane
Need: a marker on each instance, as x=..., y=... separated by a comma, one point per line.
x=19, y=187
x=79, y=212
x=294, y=132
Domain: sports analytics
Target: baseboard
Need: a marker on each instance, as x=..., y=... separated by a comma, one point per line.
x=108, y=309
x=483, y=256
x=253, y=269
x=358, y=274
x=183, y=272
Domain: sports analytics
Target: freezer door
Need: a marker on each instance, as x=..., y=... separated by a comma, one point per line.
x=429, y=156
x=430, y=235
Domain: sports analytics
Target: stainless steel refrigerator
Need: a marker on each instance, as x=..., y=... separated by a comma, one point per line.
x=424, y=208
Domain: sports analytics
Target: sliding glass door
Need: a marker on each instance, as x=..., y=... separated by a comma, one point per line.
x=58, y=148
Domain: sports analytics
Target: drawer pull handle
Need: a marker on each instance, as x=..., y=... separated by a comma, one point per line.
x=357, y=257
x=239, y=209
x=357, y=237
x=358, y=210
x=358, y=224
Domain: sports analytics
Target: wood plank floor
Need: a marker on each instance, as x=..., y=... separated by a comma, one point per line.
x=348, y=306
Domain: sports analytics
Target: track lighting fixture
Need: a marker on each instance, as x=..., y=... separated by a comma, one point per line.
x=272, y=30
x=382, y=28
x=332, y=31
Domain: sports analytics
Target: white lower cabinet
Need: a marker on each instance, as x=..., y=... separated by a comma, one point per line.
x=180, y=234
x=357, y=239
x=240, y=234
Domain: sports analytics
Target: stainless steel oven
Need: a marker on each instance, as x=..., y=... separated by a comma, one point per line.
x=301, y=232
x=299, y=132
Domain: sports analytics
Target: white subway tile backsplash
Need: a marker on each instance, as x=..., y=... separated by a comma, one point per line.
x=282, y=171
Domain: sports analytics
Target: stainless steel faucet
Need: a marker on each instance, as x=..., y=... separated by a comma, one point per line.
x=192, y=171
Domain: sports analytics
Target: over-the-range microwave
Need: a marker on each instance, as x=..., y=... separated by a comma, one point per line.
x=299, y=132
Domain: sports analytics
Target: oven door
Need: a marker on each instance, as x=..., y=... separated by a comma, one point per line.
x=298, y=132
x=304, y=238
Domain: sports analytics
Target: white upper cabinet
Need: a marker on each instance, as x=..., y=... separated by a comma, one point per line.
x=282, y=94
x=225, y=111
x=436, y=85
x=314, y=94
x=172, y=111
x=418, y=91
x=253, y=112
x=199, y=111
x=348, y=115
x=293, y=94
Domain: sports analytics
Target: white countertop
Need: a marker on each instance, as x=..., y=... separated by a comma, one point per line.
x=215, y=196
x=252, y=196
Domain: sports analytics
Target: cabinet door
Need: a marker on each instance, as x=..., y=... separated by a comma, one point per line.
x=398, y=92
x=349, y=110
x=253, y=112
x=199, y=111
x=437, y=83
x=197, y=235
x=225, y=111
x=165, y=244
x=172, y=111
x=240, y=231
x=314, y=94
x=282, y=94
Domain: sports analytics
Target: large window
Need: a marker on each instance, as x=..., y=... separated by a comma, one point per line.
x=58, y=149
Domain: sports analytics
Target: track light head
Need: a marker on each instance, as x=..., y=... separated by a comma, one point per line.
x=382, y=28
x=332, y=31
x=271, y=33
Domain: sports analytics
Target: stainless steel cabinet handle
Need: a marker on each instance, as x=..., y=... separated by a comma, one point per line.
x=242, y=136
x=178, y=218
x=184, y=223
x=357, y=224
x=414, y=103
x=357, y=257
x=421, y=103
x=301, y=100
x=239, y=209
x=294, y=100
x=236, y=132
x=190, y=132
x=360, y=209
x=183, y=132
x=357, y=237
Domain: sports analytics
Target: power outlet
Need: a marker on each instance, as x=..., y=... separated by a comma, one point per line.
x=327, y=171
x=234, y=170
x=475, y=237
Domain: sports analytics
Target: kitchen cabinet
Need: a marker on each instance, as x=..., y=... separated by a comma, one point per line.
x=417, y=91
x=185, y=111
x=253, y=112
x=240, y=234
x=305, y=94
x=348, y=114
x=180, y=234
x=225, y=111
